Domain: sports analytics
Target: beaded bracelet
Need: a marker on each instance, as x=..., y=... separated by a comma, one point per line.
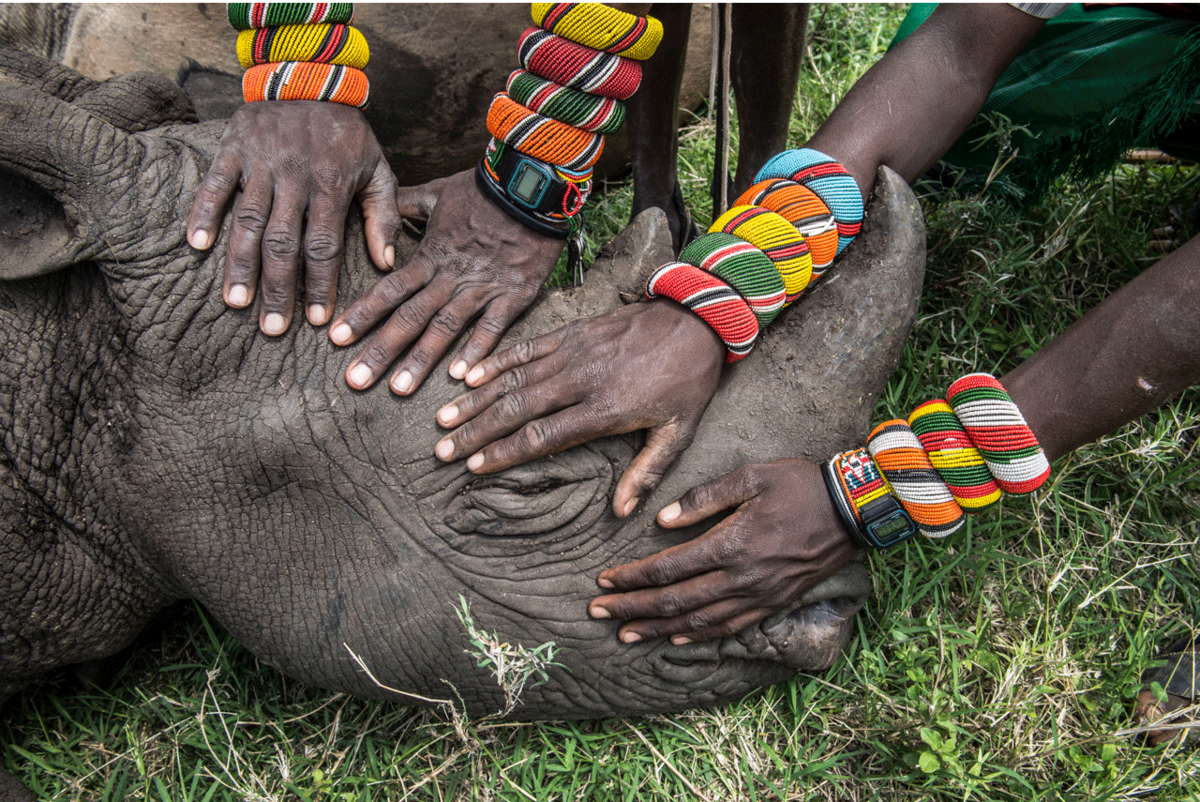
x=744, y=268
x=600, y=115
x=899, y=456
x=549, y=140
x=268, y=15
x=601, y=28
x=718, y=304
x=573, y=65
x=325, y=44
x=305, y=80
x=801, y=207
x=828, y=179
x=998, y=429
x=775, y=237
x=937, y=464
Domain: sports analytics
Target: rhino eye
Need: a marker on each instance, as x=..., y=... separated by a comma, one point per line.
x=533, y=499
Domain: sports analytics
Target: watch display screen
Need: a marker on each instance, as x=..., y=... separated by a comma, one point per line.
x=527, y=185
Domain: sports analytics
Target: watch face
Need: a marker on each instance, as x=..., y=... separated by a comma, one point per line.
x=528, y=184
x=886, y=530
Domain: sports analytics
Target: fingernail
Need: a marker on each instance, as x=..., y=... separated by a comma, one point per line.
x=402, y=382
x=604, y=583
x=680, y=640
x=444, y=450
x=341, y=334
x=359, y=376
x=599, y=612
x=317, y=315
x=475, y=462
x=389, y=256
x=199, y=239
x=458, y=369
x=273, y=324
x=475, y=375
x=669, y=513
x=239, y=295
x=629, y=505
x=631, y=637
x=447, y=414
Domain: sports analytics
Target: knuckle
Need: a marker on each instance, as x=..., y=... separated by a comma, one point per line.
x=696, y=621
x=321, y=246
x=511, y=410
x=410, y=318
x=661, y=572
x=538, y=435
x=280, y=244
x=250, y=215
x=670, y=604
x=446, y=323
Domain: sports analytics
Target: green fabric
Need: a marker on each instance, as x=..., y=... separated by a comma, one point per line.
x=1092, y=84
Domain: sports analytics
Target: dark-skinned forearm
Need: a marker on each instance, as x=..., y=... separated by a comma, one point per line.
x=1121, y=360
x=912, y=105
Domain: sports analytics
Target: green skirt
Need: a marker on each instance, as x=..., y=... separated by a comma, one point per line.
x=1092, y=84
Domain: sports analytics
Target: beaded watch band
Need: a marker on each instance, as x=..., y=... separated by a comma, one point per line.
x=863, y=498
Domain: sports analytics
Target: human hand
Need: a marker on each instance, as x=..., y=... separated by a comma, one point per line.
x=299, y=164
x=474, y=258
x=648, y=366
x=783, y=538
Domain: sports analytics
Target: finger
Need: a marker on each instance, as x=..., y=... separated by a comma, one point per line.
x=208, y=207
x=657, y=610
x=418, y=203
x=488, y=330
x=324, y=250
x=281, y=261
x=244, y=251
x=663, y=446
x=441, y=332
x=713, y=622
x=715, y=550
x=520, y=354
x=400, y=330
x=517, y=399
x=532, y=365
x=703, y=501
x=381, y=217
x=381, y=300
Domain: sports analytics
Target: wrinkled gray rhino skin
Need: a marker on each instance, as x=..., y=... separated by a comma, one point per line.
x=157, y=447
x=434, y=66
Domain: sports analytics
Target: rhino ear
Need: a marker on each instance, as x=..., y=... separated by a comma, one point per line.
x=57, y=164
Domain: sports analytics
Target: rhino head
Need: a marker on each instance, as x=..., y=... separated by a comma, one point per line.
x=158, y=447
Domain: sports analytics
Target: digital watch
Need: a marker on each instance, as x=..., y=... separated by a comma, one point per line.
x=879, y=524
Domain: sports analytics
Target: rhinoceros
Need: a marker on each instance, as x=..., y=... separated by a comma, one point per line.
x=157, y=447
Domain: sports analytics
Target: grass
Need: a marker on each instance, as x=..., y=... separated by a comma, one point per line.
x=996, y=665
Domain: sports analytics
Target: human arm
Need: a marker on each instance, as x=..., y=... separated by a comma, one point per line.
x=1124, y=358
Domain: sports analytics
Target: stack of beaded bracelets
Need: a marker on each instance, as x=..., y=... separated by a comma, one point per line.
x=758, y=257
x=949, y=458
x=578, y=62
x=301, y=51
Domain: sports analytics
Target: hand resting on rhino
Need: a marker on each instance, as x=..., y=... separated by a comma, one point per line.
x=158, y=447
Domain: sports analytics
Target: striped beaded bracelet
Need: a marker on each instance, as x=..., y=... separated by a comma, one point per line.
x=542, y=138
x=570, y=64
x=828, y=179
x=744, y=268
x=324, y=44
x=946, y=460
x=998, y=429
x=775, y=237
x=306, y=80
x=600, y=115
x=600, y=28
x=718, y=304
x=268, y=15
x=801, y=207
